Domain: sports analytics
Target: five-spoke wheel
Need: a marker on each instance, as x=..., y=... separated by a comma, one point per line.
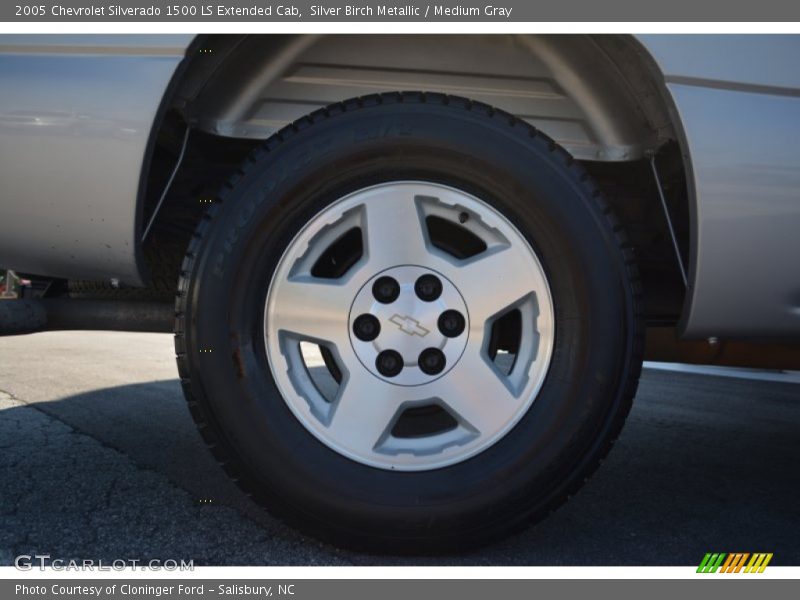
x=409, y=327
x=410, y=324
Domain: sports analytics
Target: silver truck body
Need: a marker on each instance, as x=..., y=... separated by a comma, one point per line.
x=77, y=114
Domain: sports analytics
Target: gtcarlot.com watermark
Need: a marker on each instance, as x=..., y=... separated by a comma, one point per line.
x=28, y=562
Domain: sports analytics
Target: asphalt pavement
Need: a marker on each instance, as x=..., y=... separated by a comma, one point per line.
x=100, y=459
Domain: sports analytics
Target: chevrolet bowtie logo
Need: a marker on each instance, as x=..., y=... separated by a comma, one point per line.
x=409, y=325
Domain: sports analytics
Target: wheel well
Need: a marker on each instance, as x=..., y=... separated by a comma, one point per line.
x=598, y=96
x=595, y=95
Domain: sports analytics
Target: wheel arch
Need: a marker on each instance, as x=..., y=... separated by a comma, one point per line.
x=601, y=97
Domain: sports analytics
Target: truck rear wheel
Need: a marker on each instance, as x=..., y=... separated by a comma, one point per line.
x=410, y=324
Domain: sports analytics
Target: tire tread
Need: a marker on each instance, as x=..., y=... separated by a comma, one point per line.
x=581, y=178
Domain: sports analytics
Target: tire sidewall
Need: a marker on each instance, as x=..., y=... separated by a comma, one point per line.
x=529, y=181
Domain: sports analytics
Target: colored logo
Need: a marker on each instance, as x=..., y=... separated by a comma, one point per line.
x=734, y=563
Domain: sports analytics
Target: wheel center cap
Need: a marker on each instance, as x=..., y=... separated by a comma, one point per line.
x=408, y=325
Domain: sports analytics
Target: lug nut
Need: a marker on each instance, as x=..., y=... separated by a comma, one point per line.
x=366, y=327
x=431, y=361
x=451, y=323
x=428, y=288
x=386, y=290
x=389, y=363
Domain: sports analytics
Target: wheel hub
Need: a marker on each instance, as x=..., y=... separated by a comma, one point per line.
x=432, y=317
x=421, y=317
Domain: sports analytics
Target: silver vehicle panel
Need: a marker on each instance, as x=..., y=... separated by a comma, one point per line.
x=76, y=114
x=738, y=99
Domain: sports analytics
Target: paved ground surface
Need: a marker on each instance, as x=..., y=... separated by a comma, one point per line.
x=100, y=459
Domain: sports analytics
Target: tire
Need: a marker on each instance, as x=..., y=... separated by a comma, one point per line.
x=529, y=194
